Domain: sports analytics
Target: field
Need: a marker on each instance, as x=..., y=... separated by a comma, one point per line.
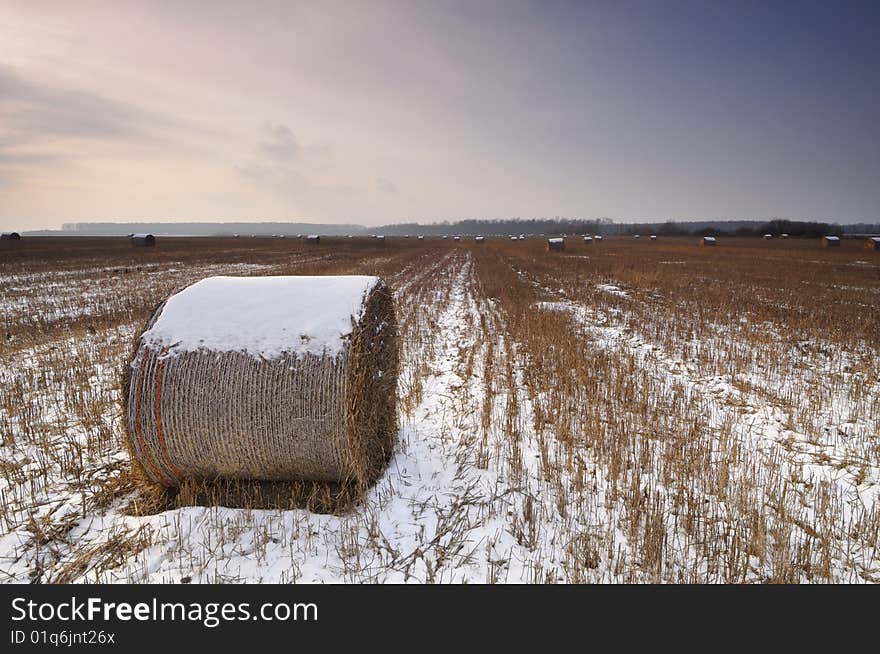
x=629, y=411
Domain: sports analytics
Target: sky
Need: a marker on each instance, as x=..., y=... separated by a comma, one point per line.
x=374, y=112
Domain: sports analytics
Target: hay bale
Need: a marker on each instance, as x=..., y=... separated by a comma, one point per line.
x=272, y=379
x=555, y=244
x=10, y=236
x=831, y=241
x=143, y=240
x=708, y=241
x=313, y=239
x=479, y=239
x=872, y=243
x=588, y=239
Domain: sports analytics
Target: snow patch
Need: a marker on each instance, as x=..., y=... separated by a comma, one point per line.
x=262, y=316
x=613, y=289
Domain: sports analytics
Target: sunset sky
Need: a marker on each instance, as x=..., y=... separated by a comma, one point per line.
x=375, y=112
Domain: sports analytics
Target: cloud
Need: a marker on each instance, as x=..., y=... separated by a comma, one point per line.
x=22, y=157
x=385, y=185
x=32, y=112
x=279, y=143
x=280, y=169
x=283, y=180
x=291, y=182
x=20, y=160
x=254, y=171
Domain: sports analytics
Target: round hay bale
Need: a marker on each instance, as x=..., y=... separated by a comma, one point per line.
x=271, y=379
x=143, y=240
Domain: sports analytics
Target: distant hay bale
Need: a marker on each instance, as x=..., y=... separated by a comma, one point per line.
x=597, y=237
x=830, y=241
x=10, y=236
x=313, y=239
x=456, y=238
x=708, y=241
x=420, y=237
x=872, y=243
x=143, y=240
x=269, y=380
x=783, y=235
x=588, y=240
x=479, y=239
x=653, y=237
x=767, y=237
x=555, y=244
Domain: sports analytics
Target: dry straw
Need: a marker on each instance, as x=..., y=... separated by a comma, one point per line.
x=210, y=427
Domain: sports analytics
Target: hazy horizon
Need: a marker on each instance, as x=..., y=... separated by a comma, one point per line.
x=380, y=112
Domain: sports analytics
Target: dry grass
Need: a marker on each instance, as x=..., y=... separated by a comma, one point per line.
x=623, y=411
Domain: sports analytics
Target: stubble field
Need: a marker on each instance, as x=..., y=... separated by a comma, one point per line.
x=629, y=411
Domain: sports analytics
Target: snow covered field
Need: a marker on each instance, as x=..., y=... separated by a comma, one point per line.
x=589, y=416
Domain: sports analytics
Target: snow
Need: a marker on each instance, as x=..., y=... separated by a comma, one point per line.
x=262, y=316
x=486, y=483
x=612, y=289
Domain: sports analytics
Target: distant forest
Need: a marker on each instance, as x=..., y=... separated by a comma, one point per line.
x=793, y=228
x=548, y=226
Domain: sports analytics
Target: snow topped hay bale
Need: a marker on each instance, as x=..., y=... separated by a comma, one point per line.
x=555, y=244
x=831, y=241
x=267, y=392
x=143, y=240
